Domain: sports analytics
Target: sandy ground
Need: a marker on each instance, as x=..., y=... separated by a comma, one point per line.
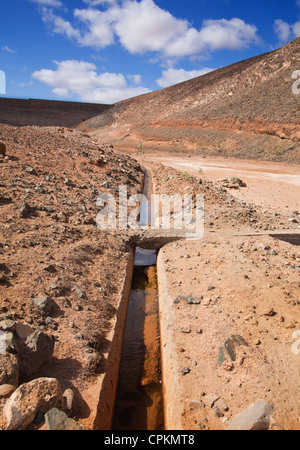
x=243, y=292
x=248, y=286
x=275, y=186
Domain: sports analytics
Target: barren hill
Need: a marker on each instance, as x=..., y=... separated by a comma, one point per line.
x=247, y=110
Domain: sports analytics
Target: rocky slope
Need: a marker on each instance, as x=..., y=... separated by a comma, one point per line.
x=60, y=276
x=244, y=110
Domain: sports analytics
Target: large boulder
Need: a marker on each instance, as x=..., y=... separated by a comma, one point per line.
x=39, y=395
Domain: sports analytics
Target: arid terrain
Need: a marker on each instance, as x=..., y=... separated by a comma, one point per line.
x=228, y=302
x=246, y=110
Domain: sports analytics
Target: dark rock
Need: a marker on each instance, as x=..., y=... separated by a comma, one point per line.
x=2, y=149
x=228, y=348
x=37, y=350
x=58, y=420
x=25, y=210
x=190, y=300
x=44, y=303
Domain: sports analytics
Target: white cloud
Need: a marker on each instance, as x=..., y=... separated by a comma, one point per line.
x=99, y=2
x=53, y=3
x=9, y=50
x=99, y=32
x=142, y=26
x=60, y=25
x=286, y=31
x=174, y=76
x=81, y=78
x=296, y=29
x=283, y=30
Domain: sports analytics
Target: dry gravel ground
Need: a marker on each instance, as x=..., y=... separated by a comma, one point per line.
x=248, y=285
x=50, y=245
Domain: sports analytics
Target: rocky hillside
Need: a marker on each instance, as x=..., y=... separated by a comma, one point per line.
x=60, y=276
x=246, y=110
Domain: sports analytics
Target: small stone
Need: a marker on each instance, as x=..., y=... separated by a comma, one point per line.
x=7, y=325
x=185, y=370
x=210, y=399
x=228, y=348
x=2, y=149
x=37, y=350
x=218, y=412
x=79, y=292
x=6, y=390
x=269, y=312
x=186, y=330
x=222, y=405
x=228, y=366
x=69, y=397
x=44, y=303
x=256, y=417
x=50, y=268
x=9, y=369
x=25, y=210
x=58, y=420
x=189, y=299
x=23, y=330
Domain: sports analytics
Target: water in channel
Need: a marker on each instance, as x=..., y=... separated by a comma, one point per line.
x=139, y=401
x=139, y=404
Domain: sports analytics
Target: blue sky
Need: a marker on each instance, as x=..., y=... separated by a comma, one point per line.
x=107, y=50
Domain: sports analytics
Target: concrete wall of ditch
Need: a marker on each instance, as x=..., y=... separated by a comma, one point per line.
x=23, y=112
x=102, y=394
x=173, y=397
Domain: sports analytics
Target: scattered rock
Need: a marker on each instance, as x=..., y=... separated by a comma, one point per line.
x=23, y=331
x=6, y=390
x=40, y=394
x=210, y=399
x=44, y=303
x=25, y=210
x=37, y=350
x=7, y=325
x=185, y=330
x=2, y=149
x=69, y=400
x=9, y=369
x=58, y=420
x=228, y=348
x=256, y=417
x=189, y=299
x=269, y=312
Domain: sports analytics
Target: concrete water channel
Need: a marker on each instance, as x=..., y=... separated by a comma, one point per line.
x=139, y=398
